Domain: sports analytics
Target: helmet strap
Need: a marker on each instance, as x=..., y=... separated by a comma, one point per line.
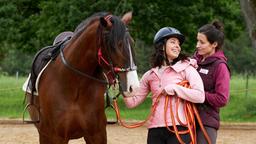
x=166, y=61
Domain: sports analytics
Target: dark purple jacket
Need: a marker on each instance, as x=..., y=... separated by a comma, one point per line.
x=216, y=78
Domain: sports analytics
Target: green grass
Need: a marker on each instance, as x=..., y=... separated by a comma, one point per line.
x=11, y=97
x=238, y=86
x=139, y=113
x=241, y=108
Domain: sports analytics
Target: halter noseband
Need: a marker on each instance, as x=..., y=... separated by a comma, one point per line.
x=112, y=73
x=115, y=69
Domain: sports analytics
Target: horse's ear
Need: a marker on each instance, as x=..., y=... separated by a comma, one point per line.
x=103, y=22
x=127, y=17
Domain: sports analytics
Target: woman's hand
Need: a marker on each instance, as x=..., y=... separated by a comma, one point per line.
x=193, y=62
x=169, y=90
x=132, y=91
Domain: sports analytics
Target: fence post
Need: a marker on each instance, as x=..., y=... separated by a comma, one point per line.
x=17, y=75
x=246, y=85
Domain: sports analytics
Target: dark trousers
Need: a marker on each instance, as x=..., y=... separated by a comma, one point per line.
x=212, y=132
x=162, y=135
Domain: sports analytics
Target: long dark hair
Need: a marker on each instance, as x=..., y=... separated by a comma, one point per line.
x=158, y=56
x=214, y=33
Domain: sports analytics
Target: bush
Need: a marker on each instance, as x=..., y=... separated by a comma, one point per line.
x=16, y=61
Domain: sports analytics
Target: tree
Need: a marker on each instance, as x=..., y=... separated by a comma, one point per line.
x=29, y=25
x=8, y=21
x=248, y=8
x=241, y=59
x=187, y=16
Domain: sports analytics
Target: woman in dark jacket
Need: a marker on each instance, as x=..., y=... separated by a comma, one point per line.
x=215, y=74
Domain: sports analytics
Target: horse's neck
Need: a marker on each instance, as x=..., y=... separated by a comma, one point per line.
x=82, y=54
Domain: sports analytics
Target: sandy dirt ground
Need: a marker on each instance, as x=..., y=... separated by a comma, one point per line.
x=17, y=133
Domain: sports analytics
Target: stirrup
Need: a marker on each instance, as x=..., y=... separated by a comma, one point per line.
x=30, y=121
x=111, y=122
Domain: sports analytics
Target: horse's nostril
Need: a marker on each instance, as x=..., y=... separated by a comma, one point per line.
x=130, y=89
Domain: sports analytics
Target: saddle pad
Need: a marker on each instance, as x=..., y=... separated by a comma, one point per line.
x=27, y=85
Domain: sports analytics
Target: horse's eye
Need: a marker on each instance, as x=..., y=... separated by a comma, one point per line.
x=120, y=44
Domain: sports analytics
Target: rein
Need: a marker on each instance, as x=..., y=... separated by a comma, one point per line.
x=64, y=61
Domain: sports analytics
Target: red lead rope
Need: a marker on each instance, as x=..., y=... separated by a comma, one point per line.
x=190, y=114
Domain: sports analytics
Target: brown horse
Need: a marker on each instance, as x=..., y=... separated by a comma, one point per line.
x=71, y=88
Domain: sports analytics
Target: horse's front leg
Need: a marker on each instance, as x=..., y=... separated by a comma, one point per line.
x=97, y=134
x=99, y=137
x=46, y=136
x=51, y=140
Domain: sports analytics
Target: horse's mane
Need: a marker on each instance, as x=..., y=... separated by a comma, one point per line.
x=80, y=28
x=114, y=35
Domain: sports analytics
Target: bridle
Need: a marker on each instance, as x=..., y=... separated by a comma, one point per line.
x=112, y=74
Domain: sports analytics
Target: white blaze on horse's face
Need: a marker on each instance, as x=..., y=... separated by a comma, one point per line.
x=132, y=80
x=132, y=76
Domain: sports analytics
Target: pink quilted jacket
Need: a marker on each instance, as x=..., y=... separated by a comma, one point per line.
x=154, y=82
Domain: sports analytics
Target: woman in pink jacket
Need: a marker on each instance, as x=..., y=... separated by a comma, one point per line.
x=169, y=67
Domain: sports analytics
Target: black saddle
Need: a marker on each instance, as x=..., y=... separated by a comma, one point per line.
x=41, y=58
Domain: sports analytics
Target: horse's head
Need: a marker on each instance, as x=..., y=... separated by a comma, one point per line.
x=116, y=52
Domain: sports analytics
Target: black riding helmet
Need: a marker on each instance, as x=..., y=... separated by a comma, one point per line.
x=167, y=32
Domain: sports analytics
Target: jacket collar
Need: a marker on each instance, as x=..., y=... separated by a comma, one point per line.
x=217, y=55
x=177, y=67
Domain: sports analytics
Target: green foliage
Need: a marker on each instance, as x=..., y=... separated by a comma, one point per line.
x=241, y=58
x=8, y=29
x=29, y=25
x=254, y=3
x=17, y=61
x=142, y=56
x=41, y=28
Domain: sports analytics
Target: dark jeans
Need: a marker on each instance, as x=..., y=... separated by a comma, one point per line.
x=212, y=132
x=162, y=135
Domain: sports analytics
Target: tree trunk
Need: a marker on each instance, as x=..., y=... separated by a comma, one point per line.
x=248, y=8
